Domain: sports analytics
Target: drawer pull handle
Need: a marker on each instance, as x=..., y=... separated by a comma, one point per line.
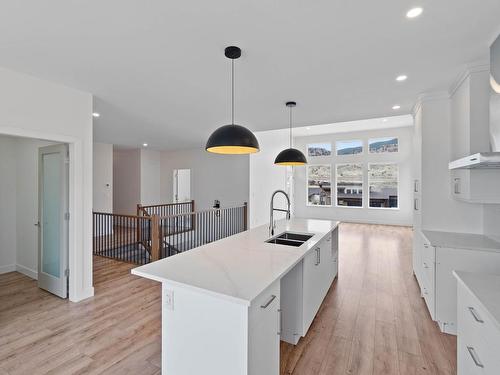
x=475, y=315
x=271, y=299
x=474, y=357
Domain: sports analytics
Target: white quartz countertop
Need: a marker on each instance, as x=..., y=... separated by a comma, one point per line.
x=461, y=241
x=239, y=267
x=486, y=288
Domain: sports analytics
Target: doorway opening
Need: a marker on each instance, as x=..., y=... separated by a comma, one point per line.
x=182, y=185
x=34, y=211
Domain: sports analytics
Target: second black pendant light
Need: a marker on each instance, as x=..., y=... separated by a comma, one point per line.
x=290, y=156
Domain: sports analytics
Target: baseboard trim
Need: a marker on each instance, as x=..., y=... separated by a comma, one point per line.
x=7, y=268
x=27, y=271
x=82, y=295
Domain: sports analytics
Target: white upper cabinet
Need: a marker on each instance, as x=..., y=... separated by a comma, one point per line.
x=470, y=134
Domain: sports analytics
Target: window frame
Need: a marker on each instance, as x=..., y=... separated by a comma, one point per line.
x=362, y=140
x=362, y=184
x=381, y=153
x=368, y=184
x=319, y=156
x=307, y=185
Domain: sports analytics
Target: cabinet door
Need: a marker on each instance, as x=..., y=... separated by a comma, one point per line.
x=333, y=258
x=291, y=304
x=448, y=260
x=326, y=265
x=417, y=256
x=264, y=328
x=312, y=293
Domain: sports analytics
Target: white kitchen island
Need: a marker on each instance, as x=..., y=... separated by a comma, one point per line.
x=225, y=305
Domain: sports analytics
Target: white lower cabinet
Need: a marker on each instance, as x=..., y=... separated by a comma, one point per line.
x=313, y=287
x=437, y=284
x=264, y=329
x=306, y=285
x=478, y=337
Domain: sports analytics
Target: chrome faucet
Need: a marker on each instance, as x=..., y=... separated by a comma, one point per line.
x=272, y=223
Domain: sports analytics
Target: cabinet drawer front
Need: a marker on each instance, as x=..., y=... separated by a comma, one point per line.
x=477, y=330
x=429, y=273
x=428, y=295
x=466, y=357
x=428, y=254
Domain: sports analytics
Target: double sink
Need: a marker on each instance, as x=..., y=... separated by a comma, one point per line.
x=290, y=239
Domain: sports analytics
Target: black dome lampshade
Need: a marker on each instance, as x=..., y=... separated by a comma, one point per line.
x=232, y=139
x=290, y=156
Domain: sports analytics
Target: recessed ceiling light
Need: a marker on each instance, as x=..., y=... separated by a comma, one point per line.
x=401, y=78
x=145, y=144
x=414, y=12
x=396, y=106
x=308, y=128
x=384, y=120
x=95, y=114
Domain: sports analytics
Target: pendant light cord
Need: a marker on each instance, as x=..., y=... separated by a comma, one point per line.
x=290, y=127
x=232, y=91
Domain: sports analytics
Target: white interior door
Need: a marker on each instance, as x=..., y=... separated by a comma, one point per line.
x=182, y=185
x=53, y=219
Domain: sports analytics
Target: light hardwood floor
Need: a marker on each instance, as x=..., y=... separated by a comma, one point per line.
x=116, y=332
x=372, y=321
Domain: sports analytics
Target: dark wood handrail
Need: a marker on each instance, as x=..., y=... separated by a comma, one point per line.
x=168, y=204
x=202, y=211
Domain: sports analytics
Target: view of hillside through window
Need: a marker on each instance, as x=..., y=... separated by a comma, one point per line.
x=349, y=147
x=319, y=190
x=319, y=149
x=383, y=185
x=381, y=145
x=350, y=185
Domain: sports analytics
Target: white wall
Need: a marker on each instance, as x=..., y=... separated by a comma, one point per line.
x=150, y=177
x=491, y=220
x=266, y=177
x=103, y=177
x=40, y=109
x=222, y=177
x=126, y=181
x=400, y=216
x=7, y=205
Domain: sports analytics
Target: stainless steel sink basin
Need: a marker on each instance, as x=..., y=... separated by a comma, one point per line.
x=290, y=239
x=295, y=236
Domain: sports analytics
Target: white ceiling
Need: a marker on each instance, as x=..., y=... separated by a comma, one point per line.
x=159, y=75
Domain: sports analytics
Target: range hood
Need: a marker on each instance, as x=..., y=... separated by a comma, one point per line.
x=479, y=160
x=488, y=159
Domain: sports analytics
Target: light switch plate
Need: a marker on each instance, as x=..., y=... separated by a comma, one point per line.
x=168, y=299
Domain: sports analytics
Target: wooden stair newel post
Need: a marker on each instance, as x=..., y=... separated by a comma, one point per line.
x=138, y=226
x=155, y=238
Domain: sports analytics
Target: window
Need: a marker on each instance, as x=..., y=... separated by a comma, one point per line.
x=319, y=185
x=349, y=185
x=383, y=145
x=319, y=149
x=349, y=147
x=383, y=182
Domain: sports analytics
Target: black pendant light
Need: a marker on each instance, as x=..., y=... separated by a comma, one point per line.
x=290, y=156
x=232, y=139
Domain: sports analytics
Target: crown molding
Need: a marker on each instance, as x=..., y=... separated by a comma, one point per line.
x=477, y=67
x=426, y=97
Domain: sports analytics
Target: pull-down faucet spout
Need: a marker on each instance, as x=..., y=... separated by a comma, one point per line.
x=272, y=223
